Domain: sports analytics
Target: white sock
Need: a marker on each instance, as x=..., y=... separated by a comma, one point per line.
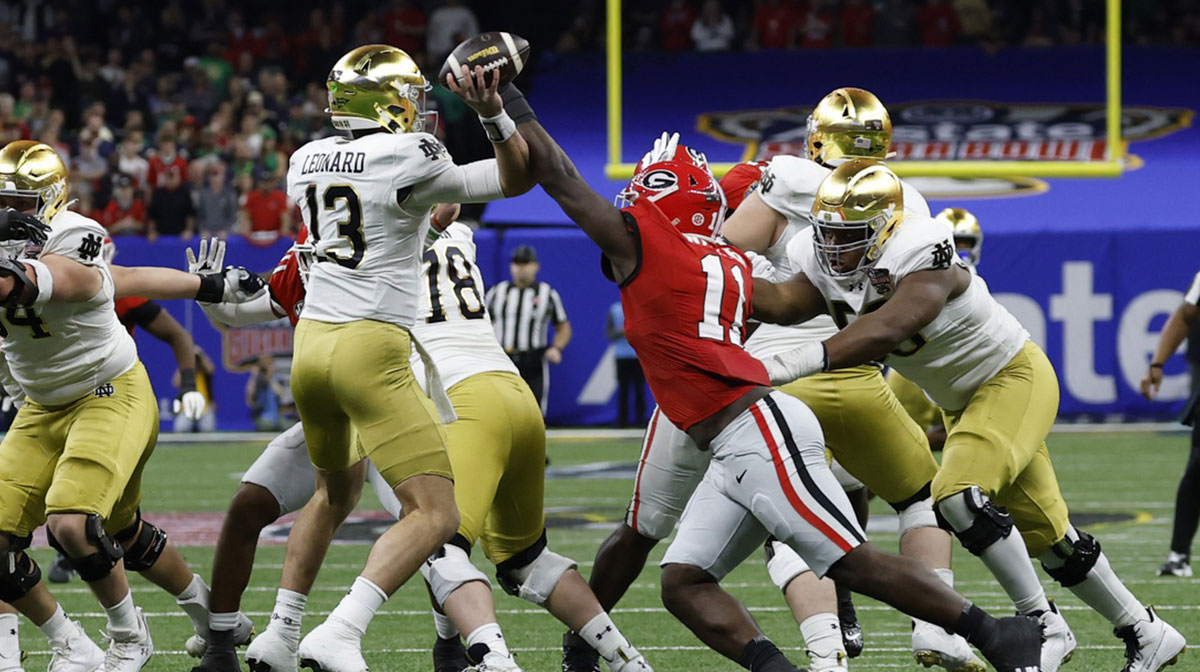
x=446, y=629
x=122, y=615
x=358, y=607
x=491, y=636
x=602, y=634
x=1177, y=557
x=10, y=643
x=226, y=621
x=1103, y=591
x=57, y=628
x=288, y=612
x=194, y=602
x=195, y=588
x=946, y=575
x=823, y=636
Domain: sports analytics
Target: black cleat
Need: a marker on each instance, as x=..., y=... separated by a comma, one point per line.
x=449, y=655
x=1016, y=645
x=852, y=634
x=60, y=570
x=577, y=656
x=219, y=656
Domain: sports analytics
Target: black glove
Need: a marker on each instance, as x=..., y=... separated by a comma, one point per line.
x=20, y=226
x=233, y=285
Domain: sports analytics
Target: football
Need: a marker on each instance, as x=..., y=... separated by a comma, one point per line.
x=505, y=51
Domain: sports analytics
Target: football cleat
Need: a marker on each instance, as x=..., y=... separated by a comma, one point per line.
x=1150, y=645
x=577, y=655
x=932, y=646
x=60, y=570
x=628, y=659
x=272, y=651
x=219, y=653
x=243, y=632
x=1016, y=645
x=76, y=653
x=332, y=646
x=128, y=649
x=1176, y=565
x=491, y=661
x=837, y=661
x=449, y=655
x=1058, y=642
x=852, y=634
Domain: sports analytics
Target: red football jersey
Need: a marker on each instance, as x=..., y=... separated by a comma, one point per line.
x=740, y=180
x=126, y=305
x=286, y=285
x=685, y=309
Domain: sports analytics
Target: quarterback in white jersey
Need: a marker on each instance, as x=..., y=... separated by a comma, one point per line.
x=899, y=293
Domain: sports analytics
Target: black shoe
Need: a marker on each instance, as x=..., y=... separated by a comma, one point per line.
x=852, y=634
x=60, y=570
x=577, y=656
x=219, y=656
x=449, y=655
x=1016, y=645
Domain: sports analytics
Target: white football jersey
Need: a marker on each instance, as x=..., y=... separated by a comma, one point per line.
x=963, y=347
x=350, y=193
x=453, y=325
x=789, y=186
x=60, y=352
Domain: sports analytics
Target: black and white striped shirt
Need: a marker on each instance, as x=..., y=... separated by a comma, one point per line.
x=520, y=314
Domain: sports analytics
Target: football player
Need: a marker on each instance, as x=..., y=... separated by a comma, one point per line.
x=88, y=422
x=365, y=198
x=686, y=296
x=968, y=242
x=899, y=293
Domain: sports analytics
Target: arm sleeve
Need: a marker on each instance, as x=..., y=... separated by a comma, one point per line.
x=477, y=182
x=256, y=311
x=560, y=313
x=142, y=314
x=1193, y=293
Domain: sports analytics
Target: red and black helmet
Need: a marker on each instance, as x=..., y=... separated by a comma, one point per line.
x=685, y=190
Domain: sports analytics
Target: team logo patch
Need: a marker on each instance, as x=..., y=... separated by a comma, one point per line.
x=659, y=180
x=881, y=280
x=105, y=390
x=90, y=247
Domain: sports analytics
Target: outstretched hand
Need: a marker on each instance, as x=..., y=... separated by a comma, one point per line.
x=16, y=225
x=477, y=90
x=210, y=259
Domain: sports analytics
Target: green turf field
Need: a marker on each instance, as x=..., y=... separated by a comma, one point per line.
x=1130, y=474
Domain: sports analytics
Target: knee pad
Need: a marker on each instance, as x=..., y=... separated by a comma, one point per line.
x=98, y=565
x=533, y=573
x=149, y=542
x=448, y=569
x=783, y=563
x=1070, y=560
x=916, y=511
x=974, y=519
x=18, y=572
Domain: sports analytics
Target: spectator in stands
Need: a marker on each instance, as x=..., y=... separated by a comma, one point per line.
x=713, y=31
x=198, y=96
x=88, y=166
x=855, y=22
x=264, y=389
x=773, y=26
x=975, y=17
x=404, y=26
x=675, y=25
x=449, y=24
x=172, y=212
x=125, y=213
x=216, y=204
x=266, y=213
x=130, y=161
x=630, y=377
x=816, y=26
x=166, y=157
x=938, y=23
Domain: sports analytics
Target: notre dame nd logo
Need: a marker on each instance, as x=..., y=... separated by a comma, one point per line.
x=105, y=390
x=89, y=248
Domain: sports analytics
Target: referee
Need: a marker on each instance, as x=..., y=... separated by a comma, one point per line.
x=520, y=310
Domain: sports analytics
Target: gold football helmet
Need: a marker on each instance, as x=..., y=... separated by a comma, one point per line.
x=966, y=232
x=32, y=170
x=857, y=208
x=377, y=85
x=848, y=124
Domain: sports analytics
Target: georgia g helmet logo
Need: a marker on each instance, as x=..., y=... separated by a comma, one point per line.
x=661, y=182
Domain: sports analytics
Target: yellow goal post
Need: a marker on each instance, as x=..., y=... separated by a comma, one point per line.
x=1112, y=166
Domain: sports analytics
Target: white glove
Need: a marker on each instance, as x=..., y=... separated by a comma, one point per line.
x=664, y=149
x=794, y=364
x=760, y=266
x=241, y=285
x=11, y=403
x=191, y=404
x=210, y=259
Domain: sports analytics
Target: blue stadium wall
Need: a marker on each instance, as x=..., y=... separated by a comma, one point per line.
x=1091, y=267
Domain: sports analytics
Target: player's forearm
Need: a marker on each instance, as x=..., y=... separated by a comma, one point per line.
x=1173, y=334
x=861, y=344
x=778, y=303
x=512, y=156
x=154, y=282
x=255, y=311
x=562, y=336
x=549, y=165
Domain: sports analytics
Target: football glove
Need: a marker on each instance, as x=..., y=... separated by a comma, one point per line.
x=233, y=285
x=210, y=259
x=20, y=226
x=664, y=149
x=798, y=363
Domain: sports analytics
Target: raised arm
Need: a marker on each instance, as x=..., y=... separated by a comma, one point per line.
x=233, y=285
x=512, y=154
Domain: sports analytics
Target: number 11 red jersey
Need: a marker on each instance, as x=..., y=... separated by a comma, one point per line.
x=685, y=308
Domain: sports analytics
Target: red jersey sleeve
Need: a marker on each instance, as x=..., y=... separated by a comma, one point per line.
x=287, y=287
x=740, y=181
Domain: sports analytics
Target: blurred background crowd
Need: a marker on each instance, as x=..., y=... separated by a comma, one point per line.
x=177, y=117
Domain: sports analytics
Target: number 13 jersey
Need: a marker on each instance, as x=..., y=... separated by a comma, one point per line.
x=368, y=245
x=685, y=306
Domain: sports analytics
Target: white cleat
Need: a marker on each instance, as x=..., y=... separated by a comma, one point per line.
x=1058, y=642
x=495, y=662
x=76, y=653
x=11, y=655
x=272, y=651
x=243, y=632
x=628, y=659
x=1150, y=645
x=836, y=661
x=333, y=646
x=128, y=650
x=932, y=646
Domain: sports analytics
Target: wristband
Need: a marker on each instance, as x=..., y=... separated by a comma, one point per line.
x=45, y=282
x=1155, y=365
x=187, y=380
x=432, y=235
x=499, y=128
x=212, y=287
x=515, y=104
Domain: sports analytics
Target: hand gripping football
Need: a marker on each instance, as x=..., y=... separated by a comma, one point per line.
x=501, y=51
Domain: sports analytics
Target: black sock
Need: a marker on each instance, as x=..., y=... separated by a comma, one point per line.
x=221, y=640
x=976, y=625
x=761, y=655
